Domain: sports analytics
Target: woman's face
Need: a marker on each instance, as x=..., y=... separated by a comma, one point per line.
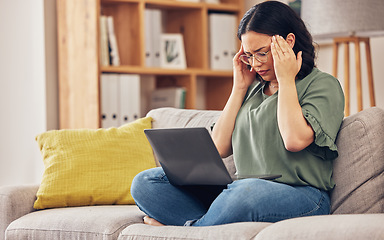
x=253, y=43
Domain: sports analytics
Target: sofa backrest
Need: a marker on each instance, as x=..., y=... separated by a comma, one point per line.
x=358, y=171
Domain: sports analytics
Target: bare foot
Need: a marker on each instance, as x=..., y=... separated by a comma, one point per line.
x=152, y=222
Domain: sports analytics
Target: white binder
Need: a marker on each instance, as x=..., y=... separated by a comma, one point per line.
x=153, y=30
x=109, y=100
x=230, y=49
x=148, y=38
x=222, y=40
x=130, y=108
x=157, y=30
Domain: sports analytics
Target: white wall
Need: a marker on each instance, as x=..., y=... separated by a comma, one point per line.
x=28, y=86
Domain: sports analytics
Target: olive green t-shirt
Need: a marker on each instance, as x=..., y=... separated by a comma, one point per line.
x=258, y=147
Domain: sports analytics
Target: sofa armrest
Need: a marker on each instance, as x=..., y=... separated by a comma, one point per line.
x=15, y=201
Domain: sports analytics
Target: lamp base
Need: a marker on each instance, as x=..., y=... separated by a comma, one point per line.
x=356, y=40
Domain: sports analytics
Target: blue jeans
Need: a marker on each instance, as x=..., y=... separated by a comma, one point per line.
x=246, y=200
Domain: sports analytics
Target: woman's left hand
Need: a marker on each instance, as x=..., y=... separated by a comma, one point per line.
x=297, y=134
x=286, y=64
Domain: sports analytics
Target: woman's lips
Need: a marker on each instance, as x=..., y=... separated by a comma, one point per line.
x=262, y=72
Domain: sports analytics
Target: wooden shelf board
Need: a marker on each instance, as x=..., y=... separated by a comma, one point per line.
x=223, y=7
x=165, y=71
x=172, y=4
x=181, y=4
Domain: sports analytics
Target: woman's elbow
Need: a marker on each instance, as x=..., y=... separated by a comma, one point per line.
x=296, y=145
x=224, y=151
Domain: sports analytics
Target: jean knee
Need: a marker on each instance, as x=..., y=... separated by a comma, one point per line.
x=244, y=194
x=143, y=181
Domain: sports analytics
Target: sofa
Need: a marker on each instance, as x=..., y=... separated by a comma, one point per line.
x=357, y=199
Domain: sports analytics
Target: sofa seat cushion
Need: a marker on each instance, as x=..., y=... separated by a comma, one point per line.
x=331, y=227
x=235, y=231
x=97, y=222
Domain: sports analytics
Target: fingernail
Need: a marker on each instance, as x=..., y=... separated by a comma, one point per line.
x=274, y=37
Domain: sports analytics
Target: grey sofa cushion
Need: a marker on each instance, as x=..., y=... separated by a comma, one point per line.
x=359, y=169
x=96, y=222
x=235, y=231
x=181, y=118
x=334, y=227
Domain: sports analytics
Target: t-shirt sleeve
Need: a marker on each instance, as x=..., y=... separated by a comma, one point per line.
x=323, y=107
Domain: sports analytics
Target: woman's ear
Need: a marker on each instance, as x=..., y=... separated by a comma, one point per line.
x=291, y=39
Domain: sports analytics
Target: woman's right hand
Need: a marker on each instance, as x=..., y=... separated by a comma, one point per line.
x=242, y=75
x=222, y=132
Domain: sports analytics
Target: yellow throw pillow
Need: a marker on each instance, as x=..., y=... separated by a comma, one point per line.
x=92, y=166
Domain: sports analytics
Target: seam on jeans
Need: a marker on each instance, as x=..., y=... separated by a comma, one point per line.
x=162, y=177
x=308, y=213
x=159, y=178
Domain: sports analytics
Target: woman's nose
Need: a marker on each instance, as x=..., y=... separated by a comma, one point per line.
x=255, y=62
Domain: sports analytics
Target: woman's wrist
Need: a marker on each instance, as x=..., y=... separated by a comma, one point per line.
x=287, y=83
x=239, y=92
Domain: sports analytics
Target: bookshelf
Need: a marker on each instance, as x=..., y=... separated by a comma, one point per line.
x=79, y=53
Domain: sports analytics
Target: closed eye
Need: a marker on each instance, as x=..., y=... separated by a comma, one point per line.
x=261, y=54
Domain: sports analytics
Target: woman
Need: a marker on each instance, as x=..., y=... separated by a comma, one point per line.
x=282, y=117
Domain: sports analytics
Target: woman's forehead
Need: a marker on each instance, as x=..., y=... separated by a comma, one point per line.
x=254, y=42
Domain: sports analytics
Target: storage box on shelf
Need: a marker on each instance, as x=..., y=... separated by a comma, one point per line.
x=79, y=53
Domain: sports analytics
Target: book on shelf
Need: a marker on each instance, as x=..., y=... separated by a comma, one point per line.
x=104, y=46
x=222, y=40
x=114, y=51
x=168, y=97
x=109, y=51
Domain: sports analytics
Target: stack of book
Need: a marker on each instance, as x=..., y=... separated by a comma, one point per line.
x=168, y=97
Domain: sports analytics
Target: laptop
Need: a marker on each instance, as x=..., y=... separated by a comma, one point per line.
x=189, y=157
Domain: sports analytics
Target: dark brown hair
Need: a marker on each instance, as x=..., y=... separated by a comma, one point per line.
x=276, y=18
